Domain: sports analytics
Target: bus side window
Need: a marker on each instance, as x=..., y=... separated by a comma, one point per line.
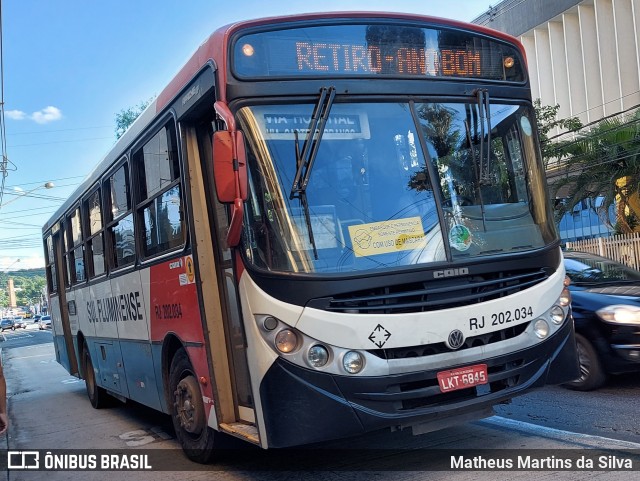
x=120, y=227
x=160, y=208
x=75, y=248
x=94, y=234
x=52, y=280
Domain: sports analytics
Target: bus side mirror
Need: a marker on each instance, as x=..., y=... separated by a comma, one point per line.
x=230, y=176
x=229, y=170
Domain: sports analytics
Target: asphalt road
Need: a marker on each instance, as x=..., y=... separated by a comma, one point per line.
x=49, y=410
x=611, y=411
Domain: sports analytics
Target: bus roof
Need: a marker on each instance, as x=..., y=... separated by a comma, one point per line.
x=212, y=49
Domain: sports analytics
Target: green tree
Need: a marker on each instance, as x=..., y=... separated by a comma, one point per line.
x=28, y=284
x=126, y=117
x=554, y=148
x=28, y=290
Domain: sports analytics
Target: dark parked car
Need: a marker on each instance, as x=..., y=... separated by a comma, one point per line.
x=7, y=324
x=606, y=308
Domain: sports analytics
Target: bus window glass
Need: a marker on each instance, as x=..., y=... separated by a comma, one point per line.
x=123, y=241
x=95, y=213
x=119, y=185
x=78, y=258
x=51, y=267
x=159, y=185
x=66, y=238
x=160, y=166
x=485, y=192
x=370, y=200
x=67, y=267
x=49, y=250
x=76, y=231
x=162, y=223
x=96, y=253
x=370, y=196
x=53, y=279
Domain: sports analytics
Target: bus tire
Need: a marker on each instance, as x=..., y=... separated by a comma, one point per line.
x=97, y=396
x=188, y=412
x=592, y=374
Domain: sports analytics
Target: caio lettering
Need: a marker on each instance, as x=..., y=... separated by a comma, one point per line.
x=461, y=271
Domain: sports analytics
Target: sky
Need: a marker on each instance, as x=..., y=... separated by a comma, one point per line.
x=69, y=66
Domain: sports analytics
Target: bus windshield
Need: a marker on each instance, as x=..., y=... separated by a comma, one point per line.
x=392, y=185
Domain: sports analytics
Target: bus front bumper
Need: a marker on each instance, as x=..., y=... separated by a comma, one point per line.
x=302, y=406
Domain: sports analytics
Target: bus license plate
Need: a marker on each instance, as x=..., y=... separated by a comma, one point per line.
x=463, y=377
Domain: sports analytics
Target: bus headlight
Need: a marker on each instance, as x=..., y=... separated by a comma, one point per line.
x=318, y=356
x=565, y=297
x=353, y=362
x=541, y=328
x=286, y=341
x=557, y=314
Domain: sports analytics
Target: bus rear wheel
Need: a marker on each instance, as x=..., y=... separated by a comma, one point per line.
x=187, y=412
x=97, y=395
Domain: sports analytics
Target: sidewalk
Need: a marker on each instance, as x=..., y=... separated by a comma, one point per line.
x=4, y=438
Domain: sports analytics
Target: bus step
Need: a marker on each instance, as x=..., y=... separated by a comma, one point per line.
x=244, y=431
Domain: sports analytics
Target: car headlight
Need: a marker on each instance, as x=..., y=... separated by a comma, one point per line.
x=620, y=314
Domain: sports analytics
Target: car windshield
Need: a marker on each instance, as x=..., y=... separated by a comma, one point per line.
x=392, y=185
x=586, y=269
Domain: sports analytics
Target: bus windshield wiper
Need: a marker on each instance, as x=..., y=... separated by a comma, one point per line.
x=306, y=158
x=482, y=98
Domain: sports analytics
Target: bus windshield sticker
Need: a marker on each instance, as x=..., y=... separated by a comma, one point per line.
x=323, y=223
x=460, y=237
x=387, y=236
x=281, y=124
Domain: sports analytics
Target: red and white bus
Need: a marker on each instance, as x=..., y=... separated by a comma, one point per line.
x=326, y=224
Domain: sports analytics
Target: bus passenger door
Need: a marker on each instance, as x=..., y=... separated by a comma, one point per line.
x=69, y=361
x=227, y=340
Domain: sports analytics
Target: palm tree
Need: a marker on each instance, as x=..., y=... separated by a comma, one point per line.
x=605, y=162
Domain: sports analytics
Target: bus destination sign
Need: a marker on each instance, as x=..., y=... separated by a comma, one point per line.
x=336, y=58
x=375, y=50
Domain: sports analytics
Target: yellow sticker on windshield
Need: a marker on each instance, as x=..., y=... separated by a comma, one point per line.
x=387, y=236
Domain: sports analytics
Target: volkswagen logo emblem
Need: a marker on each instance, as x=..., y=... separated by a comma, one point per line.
x=456, y=339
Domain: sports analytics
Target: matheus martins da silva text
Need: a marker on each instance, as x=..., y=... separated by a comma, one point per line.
x=605, y=462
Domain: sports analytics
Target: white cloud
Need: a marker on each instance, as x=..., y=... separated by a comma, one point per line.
x=16, y=114
x=14, y=263
x=34, y=262
x=46, y=115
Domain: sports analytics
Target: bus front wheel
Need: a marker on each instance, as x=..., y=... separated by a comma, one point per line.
x=187, y=412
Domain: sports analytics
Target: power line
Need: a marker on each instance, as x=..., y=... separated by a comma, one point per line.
x=35, y=132
x=39, y=182
x=21, y=213
x=60, y=142
x=622, y=112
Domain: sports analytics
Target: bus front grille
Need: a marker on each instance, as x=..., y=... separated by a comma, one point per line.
x=441, y=347
x=432, y=295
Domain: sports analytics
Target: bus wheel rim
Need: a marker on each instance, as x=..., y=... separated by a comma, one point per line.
x=189, y=406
